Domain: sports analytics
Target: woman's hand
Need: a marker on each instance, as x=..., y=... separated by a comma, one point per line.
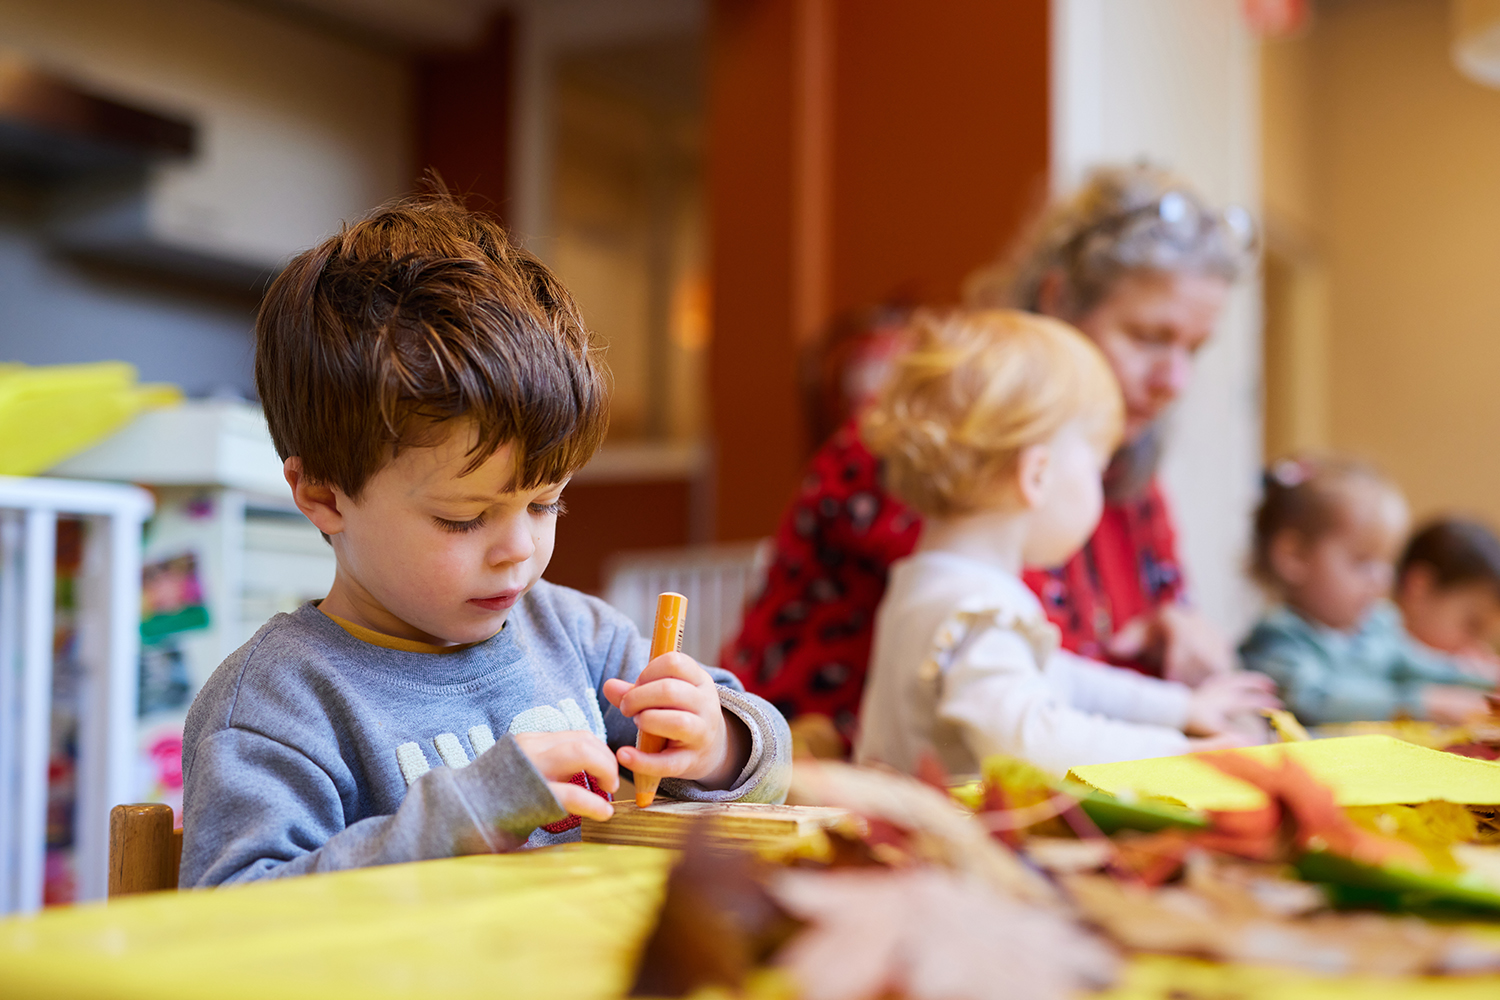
x=1188, y=646
x=675, y=698
x=1217, y=701
x=559, y=756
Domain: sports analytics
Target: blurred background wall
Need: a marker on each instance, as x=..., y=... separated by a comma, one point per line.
x=1381, y=163
x=1175, y=82
x=297, y=128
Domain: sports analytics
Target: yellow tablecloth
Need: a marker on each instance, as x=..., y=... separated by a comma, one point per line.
x=1361, y=771
x=558, y=924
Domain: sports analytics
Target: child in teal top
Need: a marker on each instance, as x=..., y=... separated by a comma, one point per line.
x=1326, y=537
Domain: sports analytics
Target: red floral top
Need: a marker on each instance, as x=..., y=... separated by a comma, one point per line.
x=805, y=642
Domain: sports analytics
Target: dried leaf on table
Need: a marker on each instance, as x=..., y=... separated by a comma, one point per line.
x=910, y=822
x=1432, y=827
x=1301, y=815
x=1153, y=858
x=1487, y=820
x=929, y=934
x=716, y=924
x=1285, y=725
x=1024, y=798
x=1251, y=914
x=1063, y=855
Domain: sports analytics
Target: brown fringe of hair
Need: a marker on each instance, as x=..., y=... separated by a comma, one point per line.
x=411, y=318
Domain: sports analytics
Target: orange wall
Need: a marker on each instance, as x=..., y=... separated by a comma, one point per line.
x=936, y=143
x=941, y=125
x=753, y=404
x=463, y=108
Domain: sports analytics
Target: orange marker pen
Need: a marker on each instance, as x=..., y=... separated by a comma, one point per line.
x=666, y=637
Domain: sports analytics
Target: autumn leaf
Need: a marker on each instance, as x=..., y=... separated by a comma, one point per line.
x=929, y=934
x=716, y=924
x=1301, y=815
x=1230, y=912
x=909, y=822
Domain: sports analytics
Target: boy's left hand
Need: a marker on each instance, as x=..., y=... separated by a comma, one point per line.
x=675, y=698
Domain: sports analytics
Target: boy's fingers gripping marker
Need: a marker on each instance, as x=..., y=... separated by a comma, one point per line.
x=666, y=637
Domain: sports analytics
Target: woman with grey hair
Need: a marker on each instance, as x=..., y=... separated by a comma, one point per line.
x=1143, y=266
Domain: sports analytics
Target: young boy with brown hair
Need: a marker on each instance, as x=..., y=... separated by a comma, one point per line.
x=431, y=389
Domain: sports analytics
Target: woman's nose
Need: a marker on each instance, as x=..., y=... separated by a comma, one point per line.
x=1172, y=372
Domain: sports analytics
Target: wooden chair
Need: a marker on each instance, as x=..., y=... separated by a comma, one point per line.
x=144, y=849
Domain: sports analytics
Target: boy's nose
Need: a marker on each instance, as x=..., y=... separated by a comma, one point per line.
x=515, y=543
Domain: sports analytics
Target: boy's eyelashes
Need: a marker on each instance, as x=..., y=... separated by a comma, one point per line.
x=554, y=507
x=460, y=527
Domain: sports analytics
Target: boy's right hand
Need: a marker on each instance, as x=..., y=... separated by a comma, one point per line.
x=1219, y=699
x=559, y=756
x=1452, y=704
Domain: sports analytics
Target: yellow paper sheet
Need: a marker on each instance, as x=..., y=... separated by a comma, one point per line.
x=1360, y=770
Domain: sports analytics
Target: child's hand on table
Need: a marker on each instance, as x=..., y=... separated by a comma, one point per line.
x=1452, y=704
x=1480, y=663
x=675, y=698
x=1224, y=741
x=1219, y=699
x=559, y=756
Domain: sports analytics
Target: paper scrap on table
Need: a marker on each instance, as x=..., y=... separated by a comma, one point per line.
x=1360, y=770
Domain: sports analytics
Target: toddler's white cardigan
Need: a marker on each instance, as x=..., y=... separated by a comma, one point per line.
x=965, y=664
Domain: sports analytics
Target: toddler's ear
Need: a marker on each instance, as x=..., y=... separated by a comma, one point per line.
x=1288, y=557
x=1034, y=474
x=319, y=502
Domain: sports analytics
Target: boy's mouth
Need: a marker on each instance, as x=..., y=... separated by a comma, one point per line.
x=498, y=602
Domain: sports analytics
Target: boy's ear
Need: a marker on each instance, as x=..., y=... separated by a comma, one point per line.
x=1034, y=474
x=1288, y=557
x=319, y=502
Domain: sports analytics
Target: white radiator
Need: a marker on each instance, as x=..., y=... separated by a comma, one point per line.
x=716, y=580
x=109, y=648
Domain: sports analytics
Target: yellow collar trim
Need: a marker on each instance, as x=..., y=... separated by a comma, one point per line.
x=384, y=641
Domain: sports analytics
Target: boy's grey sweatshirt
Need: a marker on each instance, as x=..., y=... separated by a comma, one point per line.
x=309, y=750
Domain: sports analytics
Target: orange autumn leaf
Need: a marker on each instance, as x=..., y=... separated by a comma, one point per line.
x=1301, y=814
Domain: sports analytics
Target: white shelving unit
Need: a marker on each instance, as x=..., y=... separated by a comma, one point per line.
x=109, y=649
x=221, y=500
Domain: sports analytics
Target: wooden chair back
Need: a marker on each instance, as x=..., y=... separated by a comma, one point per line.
x=144, y=849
